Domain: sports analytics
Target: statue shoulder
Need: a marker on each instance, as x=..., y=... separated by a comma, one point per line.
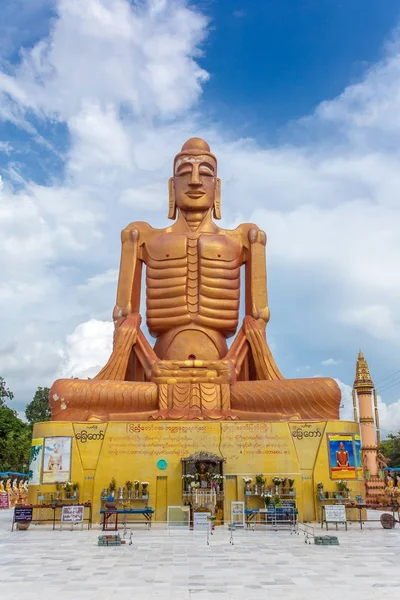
x=136, y=230
x=250, y=233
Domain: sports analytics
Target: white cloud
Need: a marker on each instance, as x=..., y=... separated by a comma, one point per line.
x=389, y=414
x=329, y=204
x=330, y=362
x=87, y=349
x=114, y=54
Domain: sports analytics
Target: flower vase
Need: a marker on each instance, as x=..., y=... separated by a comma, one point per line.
x=262, y=490
x=121, y=493
x=129, y=494
x=144, y=491
x=217, y=488
x=136, y=494
x=277, y=490
x=247, y=489
x=255, y=490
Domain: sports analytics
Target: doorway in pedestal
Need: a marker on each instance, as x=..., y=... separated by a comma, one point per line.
x=161, y=498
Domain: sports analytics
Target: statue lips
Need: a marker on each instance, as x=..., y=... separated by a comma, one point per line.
x=195, y=195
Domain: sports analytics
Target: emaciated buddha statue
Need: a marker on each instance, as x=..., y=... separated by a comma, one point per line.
x=192, y=308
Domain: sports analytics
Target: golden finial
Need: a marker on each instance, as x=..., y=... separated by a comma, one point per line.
x=363, y=379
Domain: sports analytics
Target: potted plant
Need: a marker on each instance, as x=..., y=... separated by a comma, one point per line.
x=342, y=488
x=112, y=487
x=267, y=499
x=276, y=501
x=247, y=483
x=129, y=486
x=291, y=488
x=277, y=481
x=67, y=489
x=58, y=491
x=217, y=481
x=145, y=492
x=75, y=489
x=187, y=480
x=136, y=485
x=259, y=485
x=320, y=490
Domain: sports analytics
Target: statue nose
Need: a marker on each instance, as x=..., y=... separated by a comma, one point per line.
x=195, y=178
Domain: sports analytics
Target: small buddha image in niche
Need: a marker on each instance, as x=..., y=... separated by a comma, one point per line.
x=202, y=475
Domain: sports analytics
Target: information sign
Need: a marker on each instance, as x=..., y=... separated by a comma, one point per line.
x=237, y=513
x=23, y=514
x=335, y=513
x=200, y=520
x=72, y=514
x=4, y=503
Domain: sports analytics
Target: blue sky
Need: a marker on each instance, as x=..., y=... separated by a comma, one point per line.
x=300, y=102
x=272, y=61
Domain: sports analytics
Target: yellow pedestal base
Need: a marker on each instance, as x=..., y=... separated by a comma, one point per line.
x=139, y=450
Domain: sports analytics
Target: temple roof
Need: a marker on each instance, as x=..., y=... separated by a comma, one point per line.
x=363, y=378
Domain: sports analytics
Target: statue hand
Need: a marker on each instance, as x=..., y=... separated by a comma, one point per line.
x=120, y=312
x=261, y=315
x=131, y=321
x=126, y=326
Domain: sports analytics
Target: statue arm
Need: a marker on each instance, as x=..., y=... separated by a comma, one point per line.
x=126, y=314
x=256, y=274
x=130, y=274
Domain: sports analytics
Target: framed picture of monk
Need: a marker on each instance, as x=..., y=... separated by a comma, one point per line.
x=56, y=460
x=342, y=456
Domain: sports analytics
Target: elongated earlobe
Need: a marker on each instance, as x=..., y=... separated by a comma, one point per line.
x=217, y=200
x=172, y=205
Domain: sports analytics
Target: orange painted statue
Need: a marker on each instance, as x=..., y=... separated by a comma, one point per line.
x=342, y=457
x=192, y=308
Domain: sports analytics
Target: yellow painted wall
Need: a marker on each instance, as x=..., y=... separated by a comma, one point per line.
x=131, y=450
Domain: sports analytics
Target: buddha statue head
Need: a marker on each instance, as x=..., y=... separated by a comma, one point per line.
x=194, y=186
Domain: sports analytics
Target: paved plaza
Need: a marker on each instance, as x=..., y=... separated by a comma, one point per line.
x=41, y=563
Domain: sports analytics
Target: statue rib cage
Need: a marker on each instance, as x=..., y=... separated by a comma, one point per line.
x=200, y=287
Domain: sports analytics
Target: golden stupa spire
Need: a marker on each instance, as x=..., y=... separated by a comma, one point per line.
x=363, y=381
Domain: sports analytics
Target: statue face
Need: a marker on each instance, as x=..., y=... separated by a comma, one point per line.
x=341, y=446
x=195, y=181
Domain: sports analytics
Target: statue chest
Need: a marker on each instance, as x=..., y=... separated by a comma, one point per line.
x=191, y=252
x=193, y=278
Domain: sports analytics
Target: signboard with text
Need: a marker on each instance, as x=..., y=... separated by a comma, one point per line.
x=72, y=514
x=335, y=513
x=22, y=514
x=237, y=513
x=4, y=503
x=200, y=520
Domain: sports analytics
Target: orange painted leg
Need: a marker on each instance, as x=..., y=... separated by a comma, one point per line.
x=101, y=400
x=304, y=399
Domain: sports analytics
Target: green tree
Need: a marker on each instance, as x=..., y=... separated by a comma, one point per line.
x=15, y=435
x=391, y=449
x=38, y=410
x=5, y=393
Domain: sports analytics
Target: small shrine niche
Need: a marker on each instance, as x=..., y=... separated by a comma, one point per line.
x=203, y=484
x=203, y=471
